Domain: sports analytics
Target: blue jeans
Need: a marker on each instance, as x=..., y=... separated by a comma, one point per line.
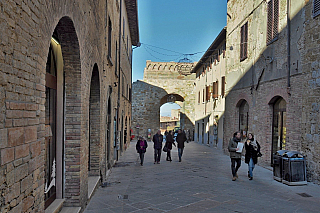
x=251, y=167
x=180, y=152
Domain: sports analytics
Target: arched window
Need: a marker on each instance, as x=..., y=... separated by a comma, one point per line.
x=244, y=117
x=279, y=125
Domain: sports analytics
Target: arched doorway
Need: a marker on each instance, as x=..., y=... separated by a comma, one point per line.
x=108, y=130
x=169, y=117
x=243, y=117
x=94, y=124
x=62, y=131
x=279, y=119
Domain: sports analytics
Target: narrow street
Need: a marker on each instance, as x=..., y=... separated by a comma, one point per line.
x=200, y=183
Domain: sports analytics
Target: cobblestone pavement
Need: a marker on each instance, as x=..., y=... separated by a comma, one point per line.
x=200, y=183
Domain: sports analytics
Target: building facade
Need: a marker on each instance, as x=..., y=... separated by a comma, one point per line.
x=65, y=76
x=163, y=82
x=209, y=93
x=272, y=76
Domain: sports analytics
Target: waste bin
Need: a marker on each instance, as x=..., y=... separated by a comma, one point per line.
x=294, y=169
x=277, y=164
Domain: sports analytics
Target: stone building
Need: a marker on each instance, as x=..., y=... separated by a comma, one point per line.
x=65, y=76
x=272, y=78
x=163, y=82
x=209, y=93
x=172, y=122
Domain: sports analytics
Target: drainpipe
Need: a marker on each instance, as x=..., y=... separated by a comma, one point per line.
x=119, y=72
x=288, y=45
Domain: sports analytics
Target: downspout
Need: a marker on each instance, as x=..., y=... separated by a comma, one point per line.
x=288, y=45
x=119, y=68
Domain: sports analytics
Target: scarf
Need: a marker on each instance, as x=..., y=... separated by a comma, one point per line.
x=254, y=144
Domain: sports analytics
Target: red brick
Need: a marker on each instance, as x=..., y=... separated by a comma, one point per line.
x=3, y=138
x=21, y=172
x=31, y=107
x=7, y=155
x=15, y=136
x=30, y=134
x=27, y=203
x=15, y=105
x=29, y=114
x=35, y=149
x=21, y=151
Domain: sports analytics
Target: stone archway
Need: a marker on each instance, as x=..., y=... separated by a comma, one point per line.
x=69, y=161
x=94, y=124
x=157, y=87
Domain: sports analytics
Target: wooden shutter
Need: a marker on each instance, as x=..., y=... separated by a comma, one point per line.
x=203, y=94
x=215, y=90
x=316, y=8
x=199, y=98
x=218, y=55
x=244, y=42
x=223, y=85
x=275, y=18
x=207, y=93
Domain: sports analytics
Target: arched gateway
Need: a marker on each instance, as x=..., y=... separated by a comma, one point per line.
x=163, y=82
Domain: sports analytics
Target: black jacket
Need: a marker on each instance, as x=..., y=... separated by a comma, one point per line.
x=169, y=141
x=251, y=153
x=181, y=138
x=157, y=141
x=142, y=149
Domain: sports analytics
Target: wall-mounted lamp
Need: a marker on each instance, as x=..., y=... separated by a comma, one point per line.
x=269, y=59
x=115, y=84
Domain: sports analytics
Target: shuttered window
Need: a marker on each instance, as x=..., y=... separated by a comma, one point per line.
x=215, y=90
x=244, y=42
x=207, y=93
x=316, y=8
x=199, y=97
x=273, y=21
x=223, y=85
x=203, y=94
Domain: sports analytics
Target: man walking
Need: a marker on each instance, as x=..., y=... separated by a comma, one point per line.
x=181, y=138
x=157, y=145
x=234, y=155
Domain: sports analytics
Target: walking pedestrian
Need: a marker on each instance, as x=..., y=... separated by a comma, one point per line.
x=181, y=138
x=157, y=145
x=141, y=148
x=251, y=157
x=234, y=154
x=168, y=144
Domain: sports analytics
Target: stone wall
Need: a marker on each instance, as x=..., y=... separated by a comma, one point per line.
x=160, y=80
x=26, y=28
x=263, y=77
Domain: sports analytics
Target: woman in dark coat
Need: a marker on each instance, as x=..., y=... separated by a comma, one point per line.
x=169, y=142
x=251, y=157
x=141, y=148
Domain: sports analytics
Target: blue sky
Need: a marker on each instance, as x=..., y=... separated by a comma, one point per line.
x=181, y=26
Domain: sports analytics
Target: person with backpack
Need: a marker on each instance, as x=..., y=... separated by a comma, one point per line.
x=251, y=157
x=141, y=148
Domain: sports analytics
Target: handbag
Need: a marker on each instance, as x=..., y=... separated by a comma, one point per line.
x=165, y=149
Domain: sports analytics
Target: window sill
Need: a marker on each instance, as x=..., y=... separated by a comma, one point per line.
x=273, y=40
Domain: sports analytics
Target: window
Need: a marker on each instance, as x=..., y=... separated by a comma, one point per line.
x=223, y=85
x=199, y=97
x=116, y=62
x=273, y=20
x=208, y=93
x=215, y=90
x=109, y=38
x=124, y=25
x=316, y=8
x=203, y=94
x=218, y=58
x=244, y=42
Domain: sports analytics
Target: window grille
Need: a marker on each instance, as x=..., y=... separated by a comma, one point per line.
x=244, y=42
x=273, y=20
x=316, y=8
